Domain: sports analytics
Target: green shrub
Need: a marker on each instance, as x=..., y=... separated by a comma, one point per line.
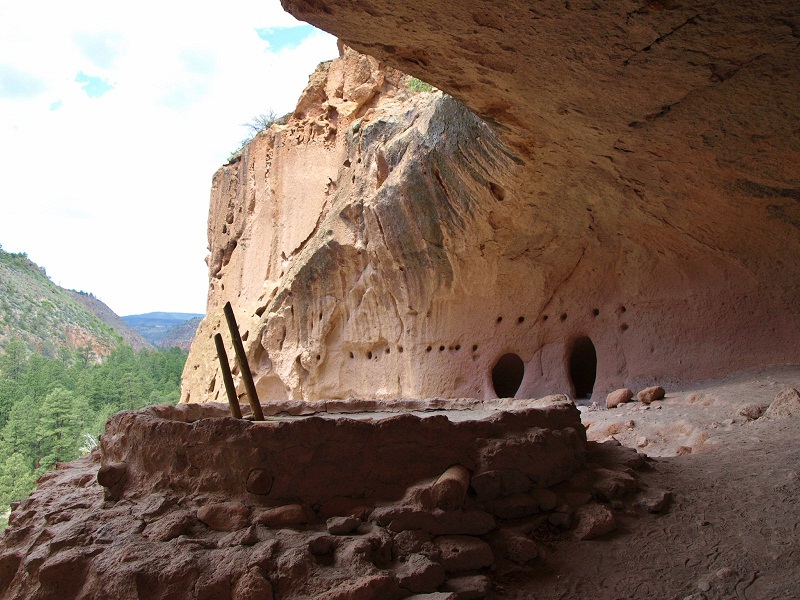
x=417, y=86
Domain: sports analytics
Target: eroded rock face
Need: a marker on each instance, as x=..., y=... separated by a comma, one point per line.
x=630, y=217
x=640, y=191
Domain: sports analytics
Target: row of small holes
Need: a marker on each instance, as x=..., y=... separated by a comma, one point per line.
x=595, y=312
x=457, y=347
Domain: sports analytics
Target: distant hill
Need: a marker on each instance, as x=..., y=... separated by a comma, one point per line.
x=47, y=317
x=112, y=319
x=181, y=335
x=165, y=329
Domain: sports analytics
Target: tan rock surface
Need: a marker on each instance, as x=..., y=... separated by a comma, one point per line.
x=633, y=211
x=617, y=397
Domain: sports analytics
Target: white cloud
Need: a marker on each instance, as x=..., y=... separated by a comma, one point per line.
x=110, y=193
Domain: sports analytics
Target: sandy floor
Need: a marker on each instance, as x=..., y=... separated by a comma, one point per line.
x=732, y=530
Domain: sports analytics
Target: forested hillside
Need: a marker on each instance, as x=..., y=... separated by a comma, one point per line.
x=54, y=409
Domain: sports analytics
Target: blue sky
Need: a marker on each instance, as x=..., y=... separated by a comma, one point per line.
x=113, y=119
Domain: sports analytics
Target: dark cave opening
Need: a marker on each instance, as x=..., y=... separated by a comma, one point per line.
x=507, y=375
x=583, y=367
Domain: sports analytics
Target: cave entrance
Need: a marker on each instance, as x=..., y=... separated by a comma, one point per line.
x=507, y=375
x=583, y=367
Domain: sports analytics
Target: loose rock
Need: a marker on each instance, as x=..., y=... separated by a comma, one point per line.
x=282, y=516
x=449, y=491
x=225, y=516
x=617, y=397
x=593, y=520
x=464, y=553
x=786, y=404
x=648, y=395
x=342, y=525
x=468, y=587
x=420, y=574
x=654, y=502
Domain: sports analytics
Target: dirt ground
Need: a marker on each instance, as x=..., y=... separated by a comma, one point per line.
x=732, y=530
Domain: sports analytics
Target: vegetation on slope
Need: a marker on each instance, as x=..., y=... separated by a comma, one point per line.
x=44, y=316
x=54, y=409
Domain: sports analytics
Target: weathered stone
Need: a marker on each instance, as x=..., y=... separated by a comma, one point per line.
x=113, y=477
x=419, y=574
x=491, y=485
x=63, y=573
x=242, y=537
x=282, y=516
x=292, y=567
x=259, y=482
x=332, y=215
x=225, y=516
x=575, y=499
x=559, y=519
x=412, y=541
x=609, y=484
x=449, y=491
x=436, y=522
x=9, y=563
x=514, y=507
x=654, y=501
x=321, y=544
x=515, y=546
x=546, y=499
x=593, y=520
x=342, y=525
x=786, y=404
x=617, y=397
x=648, y=395
x=170, y=526
x=253, y=586
x=111, y=474
x=468, y=587
x=463, y=553
x=372, y=587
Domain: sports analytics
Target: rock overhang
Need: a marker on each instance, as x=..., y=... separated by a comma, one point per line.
x=655, y=148
x=622, y=215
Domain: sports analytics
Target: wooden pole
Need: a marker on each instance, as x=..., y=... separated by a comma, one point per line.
x=230, y=389
x=244, y=366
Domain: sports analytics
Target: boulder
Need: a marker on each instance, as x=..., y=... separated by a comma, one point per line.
x=617, y=397
x=282, y=516
x=593, y=520
x=785, y=405
x=648, y=395
x=342, y=525
x=463, y=553
x=420, y=574
x=225, y=516
x=449, y=491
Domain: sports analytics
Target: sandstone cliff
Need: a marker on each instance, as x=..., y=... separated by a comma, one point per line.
x=626, y=210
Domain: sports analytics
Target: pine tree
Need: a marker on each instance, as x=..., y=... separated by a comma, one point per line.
x=12, y=361
x=16, y=479
x=59, y=427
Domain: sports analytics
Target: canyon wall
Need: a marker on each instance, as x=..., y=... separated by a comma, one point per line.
x=626, y=205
